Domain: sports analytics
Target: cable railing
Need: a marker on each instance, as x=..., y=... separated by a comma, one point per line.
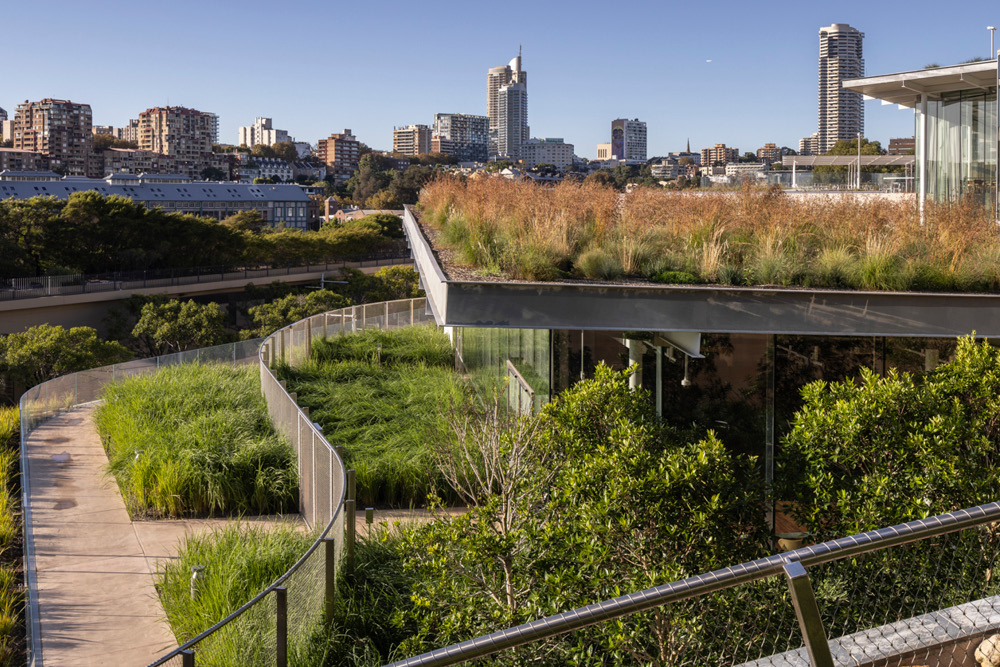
x=14, y=289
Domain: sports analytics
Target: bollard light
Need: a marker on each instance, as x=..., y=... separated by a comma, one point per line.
x=197, y=575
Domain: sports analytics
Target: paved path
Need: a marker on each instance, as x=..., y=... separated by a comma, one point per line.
x=96, y=600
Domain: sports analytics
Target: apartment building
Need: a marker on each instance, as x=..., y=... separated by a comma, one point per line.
x=628, y=140
x=60, y=129
x=340, y=153
x=461, y=135
x=719, y=153
x=547, y=151
x=180, y=132
x=841, y=111
x=769, y=153
x=411, y=139
x=496, y=79
x=12, y=159
x=130, y=132
x=512, y=120
x=261, y=132
x=138, y=161
x=902, y=146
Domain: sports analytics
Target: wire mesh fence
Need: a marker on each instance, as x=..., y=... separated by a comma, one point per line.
x=68, y=391
x=264, y=632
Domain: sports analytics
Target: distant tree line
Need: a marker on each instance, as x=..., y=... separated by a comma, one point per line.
x=93, y=233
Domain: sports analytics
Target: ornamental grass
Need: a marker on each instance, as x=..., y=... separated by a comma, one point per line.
x=754, y=236
x=195, y=440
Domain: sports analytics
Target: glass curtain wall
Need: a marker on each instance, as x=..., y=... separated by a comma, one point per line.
x=485, y=353
x=961, y=146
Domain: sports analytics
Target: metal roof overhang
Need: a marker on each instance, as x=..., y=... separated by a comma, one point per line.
x=701, y=309
x=905, y=88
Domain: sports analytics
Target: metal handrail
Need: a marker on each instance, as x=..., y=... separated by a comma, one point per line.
x=727, y=577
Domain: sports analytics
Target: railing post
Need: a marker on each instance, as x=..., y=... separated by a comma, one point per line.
x=807, y=611
x=330, y=573
x=350, y=525
x=281, y=600
x=309, y=337
x=411, y=312
x=385, y=323
x=187, y=658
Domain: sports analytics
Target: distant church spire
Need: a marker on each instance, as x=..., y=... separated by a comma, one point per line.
x=689, y=145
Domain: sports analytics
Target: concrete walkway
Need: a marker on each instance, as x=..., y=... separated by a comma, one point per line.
x=95, y=568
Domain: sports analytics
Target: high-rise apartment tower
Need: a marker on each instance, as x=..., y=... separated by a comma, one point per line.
x=841, y=112
x=62, y=130
x=411, y=139
x=628, y=139
x=496, y=79
x=180, y=132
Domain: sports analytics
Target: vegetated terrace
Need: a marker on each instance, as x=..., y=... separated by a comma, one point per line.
x=757, y=236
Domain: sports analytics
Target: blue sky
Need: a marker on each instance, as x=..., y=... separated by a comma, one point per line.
x=318, y=67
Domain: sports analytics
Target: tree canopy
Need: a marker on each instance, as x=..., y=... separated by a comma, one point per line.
x=44, y=352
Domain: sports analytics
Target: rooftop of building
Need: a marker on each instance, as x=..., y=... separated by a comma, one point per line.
x=906, y=88
x=148, y=187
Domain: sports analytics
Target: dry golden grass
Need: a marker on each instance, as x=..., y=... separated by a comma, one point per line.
x=755, y=236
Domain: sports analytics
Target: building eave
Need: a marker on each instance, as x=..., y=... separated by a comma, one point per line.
x=701, y=309
x=905, y=88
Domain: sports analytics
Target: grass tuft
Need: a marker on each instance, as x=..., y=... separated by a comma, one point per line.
x=196, y=440
x=384, y=408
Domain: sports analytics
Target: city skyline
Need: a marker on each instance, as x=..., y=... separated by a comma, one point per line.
x=739, y=91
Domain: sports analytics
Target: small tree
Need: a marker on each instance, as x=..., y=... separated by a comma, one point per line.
x=175, y=326
x=45, y=352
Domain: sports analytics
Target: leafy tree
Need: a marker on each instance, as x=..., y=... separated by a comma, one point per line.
x=246, y=221
x=263, y=150
x=543, y=536
x=285, y=150
x=214, y=174
x=384, y=200
x=498, y=165
x=270, y=317
x=103, y=142
x=264, y=181
x=44, y=352
x=175, y=326
x=387, y=284
x=884, y=450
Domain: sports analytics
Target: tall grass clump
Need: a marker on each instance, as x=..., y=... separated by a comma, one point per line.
x=237, y=562
x=11, y=599
x=756, y=236
x=384, y=407
x=196, y=440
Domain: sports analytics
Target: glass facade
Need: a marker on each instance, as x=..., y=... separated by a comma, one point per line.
x=485, y=354
x=961, y=145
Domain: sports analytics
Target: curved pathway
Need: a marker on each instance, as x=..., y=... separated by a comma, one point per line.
x=96, y=600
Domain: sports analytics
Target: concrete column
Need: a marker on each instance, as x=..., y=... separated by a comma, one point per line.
x=635, y=350
x=922, y=152
x=659, y=380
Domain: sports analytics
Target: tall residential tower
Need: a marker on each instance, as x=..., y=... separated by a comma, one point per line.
x=515, y=101
x=841, y=112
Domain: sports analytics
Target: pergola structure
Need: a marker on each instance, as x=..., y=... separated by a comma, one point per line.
x=852, y=162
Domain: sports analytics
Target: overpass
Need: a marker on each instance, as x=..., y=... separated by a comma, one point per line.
x=83, y=300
